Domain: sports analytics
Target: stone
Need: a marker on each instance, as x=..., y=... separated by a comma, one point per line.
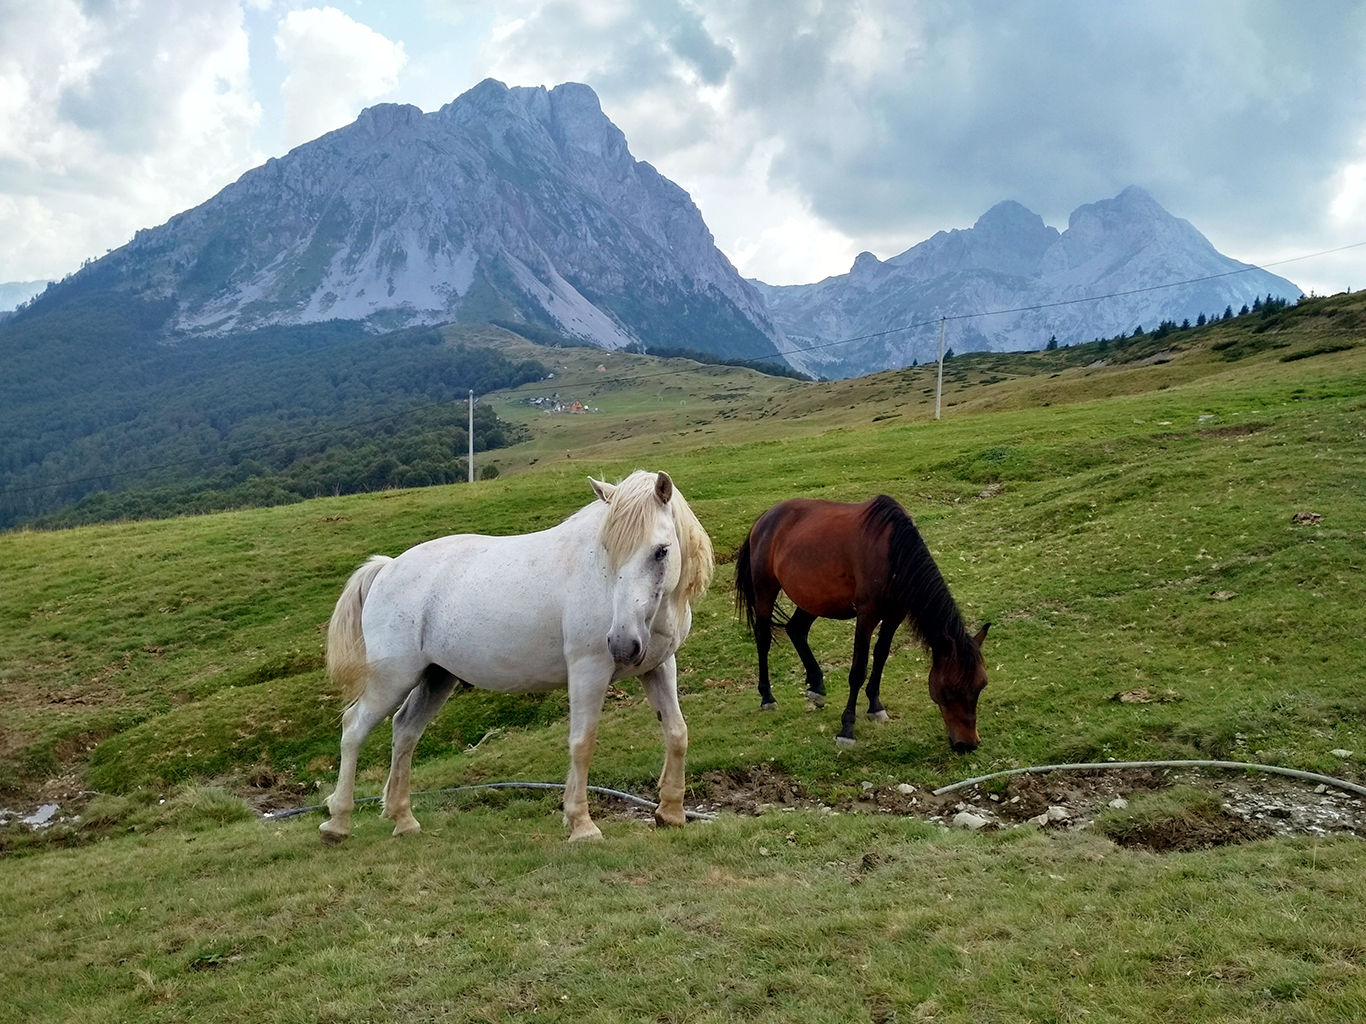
x=968, y=820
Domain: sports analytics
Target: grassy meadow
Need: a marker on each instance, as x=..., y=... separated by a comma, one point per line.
x=1125, y=517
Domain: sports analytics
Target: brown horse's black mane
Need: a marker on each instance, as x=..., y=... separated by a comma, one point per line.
x=917, y=584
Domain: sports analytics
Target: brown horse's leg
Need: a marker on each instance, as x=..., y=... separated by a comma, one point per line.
x=883, y=648
x=763, y=640
x=863, y=632
x=798, y=627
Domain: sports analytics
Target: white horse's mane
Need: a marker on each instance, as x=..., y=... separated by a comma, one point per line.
x=628, y=519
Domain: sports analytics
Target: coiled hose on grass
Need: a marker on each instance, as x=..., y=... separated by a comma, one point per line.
x=1295, y=773
x=601, y=791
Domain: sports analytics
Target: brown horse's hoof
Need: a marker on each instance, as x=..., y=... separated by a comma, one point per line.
x=770, y=706
x=878, y=716
x=844, y=742
x=815, y=698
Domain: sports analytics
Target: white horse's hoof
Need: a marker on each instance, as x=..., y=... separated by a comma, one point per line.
x=815, y=698
x=770, y=706
x=843, y=742
x=331, y=835
x=407, y=829
x=878, y=716
x=590, y=834
x=671, y=819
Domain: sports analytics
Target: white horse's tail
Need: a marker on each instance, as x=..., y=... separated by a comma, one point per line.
x=347, y=663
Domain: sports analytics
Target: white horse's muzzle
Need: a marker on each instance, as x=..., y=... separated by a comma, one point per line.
x=626, y=647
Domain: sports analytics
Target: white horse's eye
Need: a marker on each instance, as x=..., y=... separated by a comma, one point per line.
x=661, y=552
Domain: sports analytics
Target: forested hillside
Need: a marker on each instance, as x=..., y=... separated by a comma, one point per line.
x=99, y=419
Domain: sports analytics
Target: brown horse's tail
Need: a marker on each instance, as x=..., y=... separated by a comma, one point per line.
x=745, y=598
x=347, y=663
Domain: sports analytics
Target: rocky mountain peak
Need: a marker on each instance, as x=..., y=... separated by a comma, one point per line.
x=1120, y=264
x=384, y=119
x=517, y=205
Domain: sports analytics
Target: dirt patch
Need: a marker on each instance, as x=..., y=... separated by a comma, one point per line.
x=1248, y=807
x=1237, y=430
x=265, y=792
x=1241, y=807
x=751, y=790
x=1176, y=835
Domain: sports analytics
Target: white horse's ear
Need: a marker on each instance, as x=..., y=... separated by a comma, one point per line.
x=603, y=489
x=664, y=488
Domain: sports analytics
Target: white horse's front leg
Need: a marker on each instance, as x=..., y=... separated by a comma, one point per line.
x=661, y=686
x=587, y=688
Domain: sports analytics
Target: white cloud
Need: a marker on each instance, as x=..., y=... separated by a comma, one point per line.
x=112, y=118
x=335, y=65
x=891, y=120
x=806, y=131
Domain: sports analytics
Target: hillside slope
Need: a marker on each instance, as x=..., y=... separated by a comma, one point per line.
x=1079, y=506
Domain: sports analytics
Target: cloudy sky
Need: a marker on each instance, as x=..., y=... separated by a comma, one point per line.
x=805, y=130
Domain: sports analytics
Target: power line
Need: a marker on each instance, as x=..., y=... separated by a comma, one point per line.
x=1088, y=298
x=522, y=390
x=991, y=312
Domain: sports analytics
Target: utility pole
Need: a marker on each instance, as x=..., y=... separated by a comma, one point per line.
x=471, y=435
x=939, y=388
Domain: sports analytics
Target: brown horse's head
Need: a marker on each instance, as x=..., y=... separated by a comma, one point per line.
x=957, y=679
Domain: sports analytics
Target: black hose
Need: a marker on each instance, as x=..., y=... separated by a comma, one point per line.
x=601, y=791
x=1326, y=780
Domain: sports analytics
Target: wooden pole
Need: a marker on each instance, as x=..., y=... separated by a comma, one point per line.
x=939, y=388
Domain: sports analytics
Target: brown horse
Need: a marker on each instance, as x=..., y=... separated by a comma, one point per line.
x=867, y=562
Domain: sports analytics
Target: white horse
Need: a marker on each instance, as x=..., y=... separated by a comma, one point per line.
x=606, y=595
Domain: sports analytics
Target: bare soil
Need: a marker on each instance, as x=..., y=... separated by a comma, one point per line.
x=1251, y=806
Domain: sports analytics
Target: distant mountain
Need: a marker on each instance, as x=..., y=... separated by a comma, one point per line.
x=12, y=293
x=516, y=206
x=1011, y=260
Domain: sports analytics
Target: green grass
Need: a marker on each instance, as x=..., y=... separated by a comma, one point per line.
x=491, y=916
x=1127, y=525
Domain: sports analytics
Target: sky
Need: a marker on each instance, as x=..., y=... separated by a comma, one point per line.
x=806, y=131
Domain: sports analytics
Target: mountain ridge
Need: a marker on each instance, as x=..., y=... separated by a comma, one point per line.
x=523, y=204
x=1121, y=263
x=524, y=207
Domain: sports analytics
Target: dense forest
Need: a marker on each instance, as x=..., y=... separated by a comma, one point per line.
x=102, y=418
